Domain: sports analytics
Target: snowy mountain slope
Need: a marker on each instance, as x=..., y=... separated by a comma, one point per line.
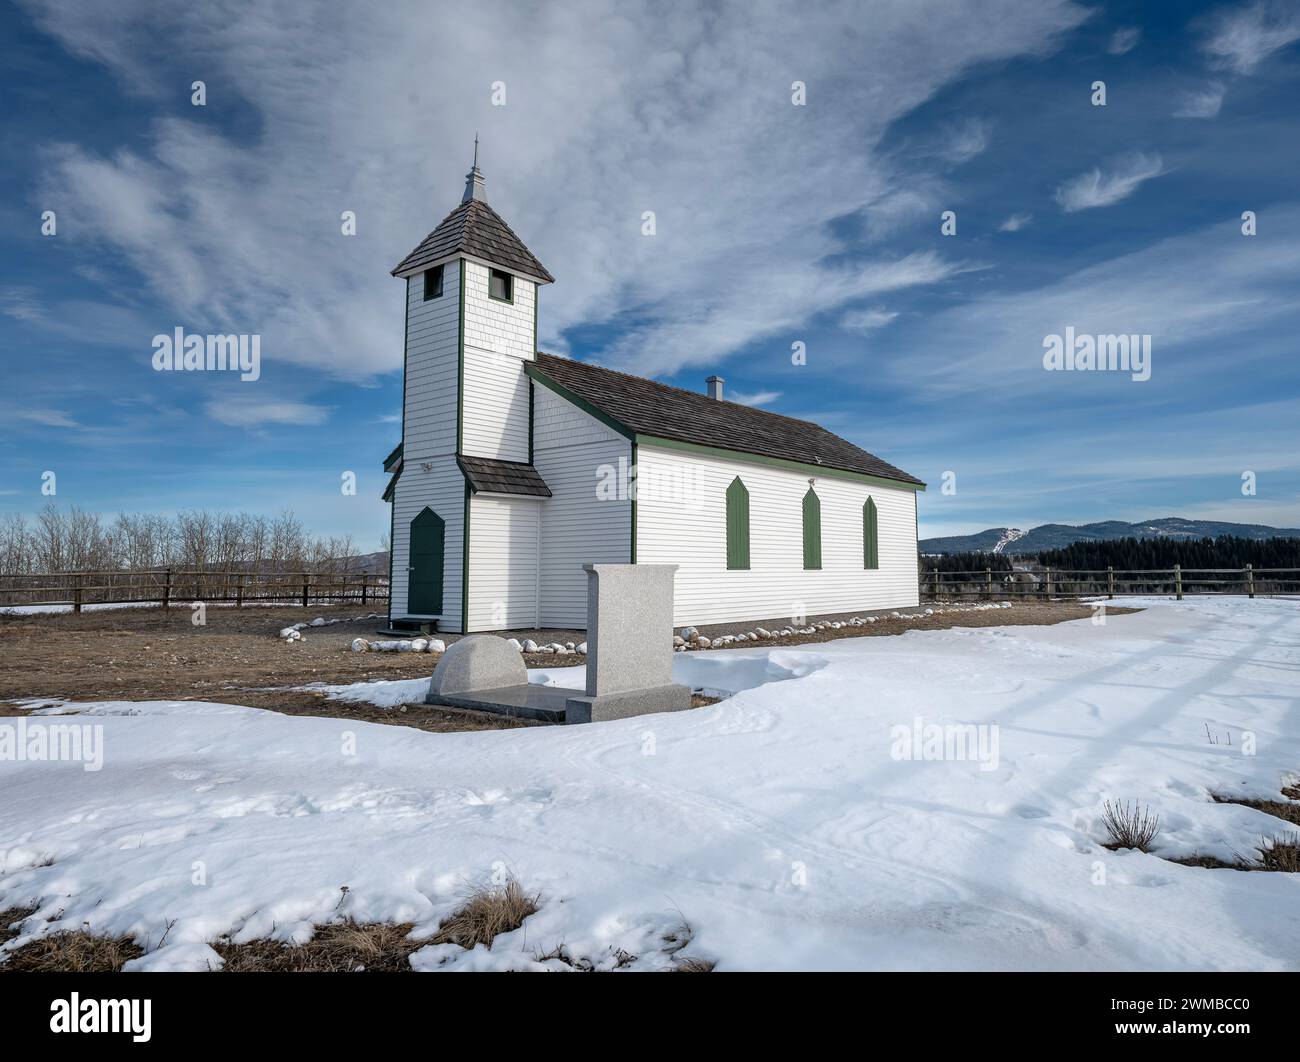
x=1056, y=536
x=780, y=822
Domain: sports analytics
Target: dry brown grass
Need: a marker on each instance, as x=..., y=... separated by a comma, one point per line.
x=1282, y=853
x=72, y=952
x=340, y=947
x=487, y=913
x=690, y=965
x=1289, y=812
x=9, y=917
x=1209, y=862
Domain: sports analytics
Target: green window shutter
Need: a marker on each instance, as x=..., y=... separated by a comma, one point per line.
x=812, y=530
x=737, y=525
x=870, y=546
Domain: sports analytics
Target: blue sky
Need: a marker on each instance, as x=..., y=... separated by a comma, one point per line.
x=775, y=224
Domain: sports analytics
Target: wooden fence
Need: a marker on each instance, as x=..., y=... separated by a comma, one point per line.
x=167, y=587
x=1047, y=583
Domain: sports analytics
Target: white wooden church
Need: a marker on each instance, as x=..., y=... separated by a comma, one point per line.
x=518, y=467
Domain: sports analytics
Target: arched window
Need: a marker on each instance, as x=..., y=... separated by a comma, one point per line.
x=737, y=525
x=870, y=540
x=812, y=531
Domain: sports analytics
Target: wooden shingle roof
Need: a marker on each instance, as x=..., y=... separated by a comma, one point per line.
x=644, y=407
x=502, y=477
x=474, y=228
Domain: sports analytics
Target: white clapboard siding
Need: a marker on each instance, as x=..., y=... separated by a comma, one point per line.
x=498, y=340
x=443, y=491
x=681, y=519
x=496, y=406
x=490, y=324
x=569, y=450
x=432, y=340
x=503, y=563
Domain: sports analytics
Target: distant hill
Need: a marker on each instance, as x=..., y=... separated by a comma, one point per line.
x=371, y=563
x=1057, y=536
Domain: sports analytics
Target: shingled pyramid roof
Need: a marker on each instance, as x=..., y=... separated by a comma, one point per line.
x=475, y=229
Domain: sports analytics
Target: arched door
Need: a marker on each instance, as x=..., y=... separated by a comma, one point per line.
x=424, y=576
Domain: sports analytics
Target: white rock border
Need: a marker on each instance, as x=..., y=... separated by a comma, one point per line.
x=689, y=638
x=686, y=639
x=294, y=633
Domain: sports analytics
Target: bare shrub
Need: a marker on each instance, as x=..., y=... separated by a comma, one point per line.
x=1129, y=825
x=487, y=913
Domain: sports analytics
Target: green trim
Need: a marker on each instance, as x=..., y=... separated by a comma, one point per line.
x=391, y=459
x=870, y=535
x=737, y=509
x=464, y=569
x=537, y=291
x=510, y=277
x=388, y=496
x=437, y=293
x=535, y=373
x=460, y=365
x=392, y=507
x=775, y=462
x=632, y=487
x=812, y=531
x=916, y=543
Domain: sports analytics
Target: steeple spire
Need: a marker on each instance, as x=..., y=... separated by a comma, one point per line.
x=474, y=188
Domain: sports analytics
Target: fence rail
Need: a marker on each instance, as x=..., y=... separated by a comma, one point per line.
x=168, y=586
x=1046, y=583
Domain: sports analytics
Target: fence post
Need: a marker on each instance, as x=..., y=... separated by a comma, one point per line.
x=1110, y=580
x=167, y=589
x=76, y=592
x=936, y=584
x=239, y=590
x=364, y=579
x=1250, y=580
x=1178, y=581
x=306, y=584
x=1047, y=581
x=988, y=582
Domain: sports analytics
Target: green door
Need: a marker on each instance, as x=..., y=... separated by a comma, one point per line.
x=424, y=577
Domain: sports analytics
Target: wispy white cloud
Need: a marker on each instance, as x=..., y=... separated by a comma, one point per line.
x=1192, y=292
x=571, y=167
x=1096, y=188
x=1015, y=222
x=1124, y=40
x=50, y=418
x=22, y=304
x=963, y=140
x=1239, y=39
x=754, y=398
x=767, y=299
x=866, y=320
x=243, y=413
x=1202, y=103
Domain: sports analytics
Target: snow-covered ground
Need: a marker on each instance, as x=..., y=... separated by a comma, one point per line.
x=781, y=824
